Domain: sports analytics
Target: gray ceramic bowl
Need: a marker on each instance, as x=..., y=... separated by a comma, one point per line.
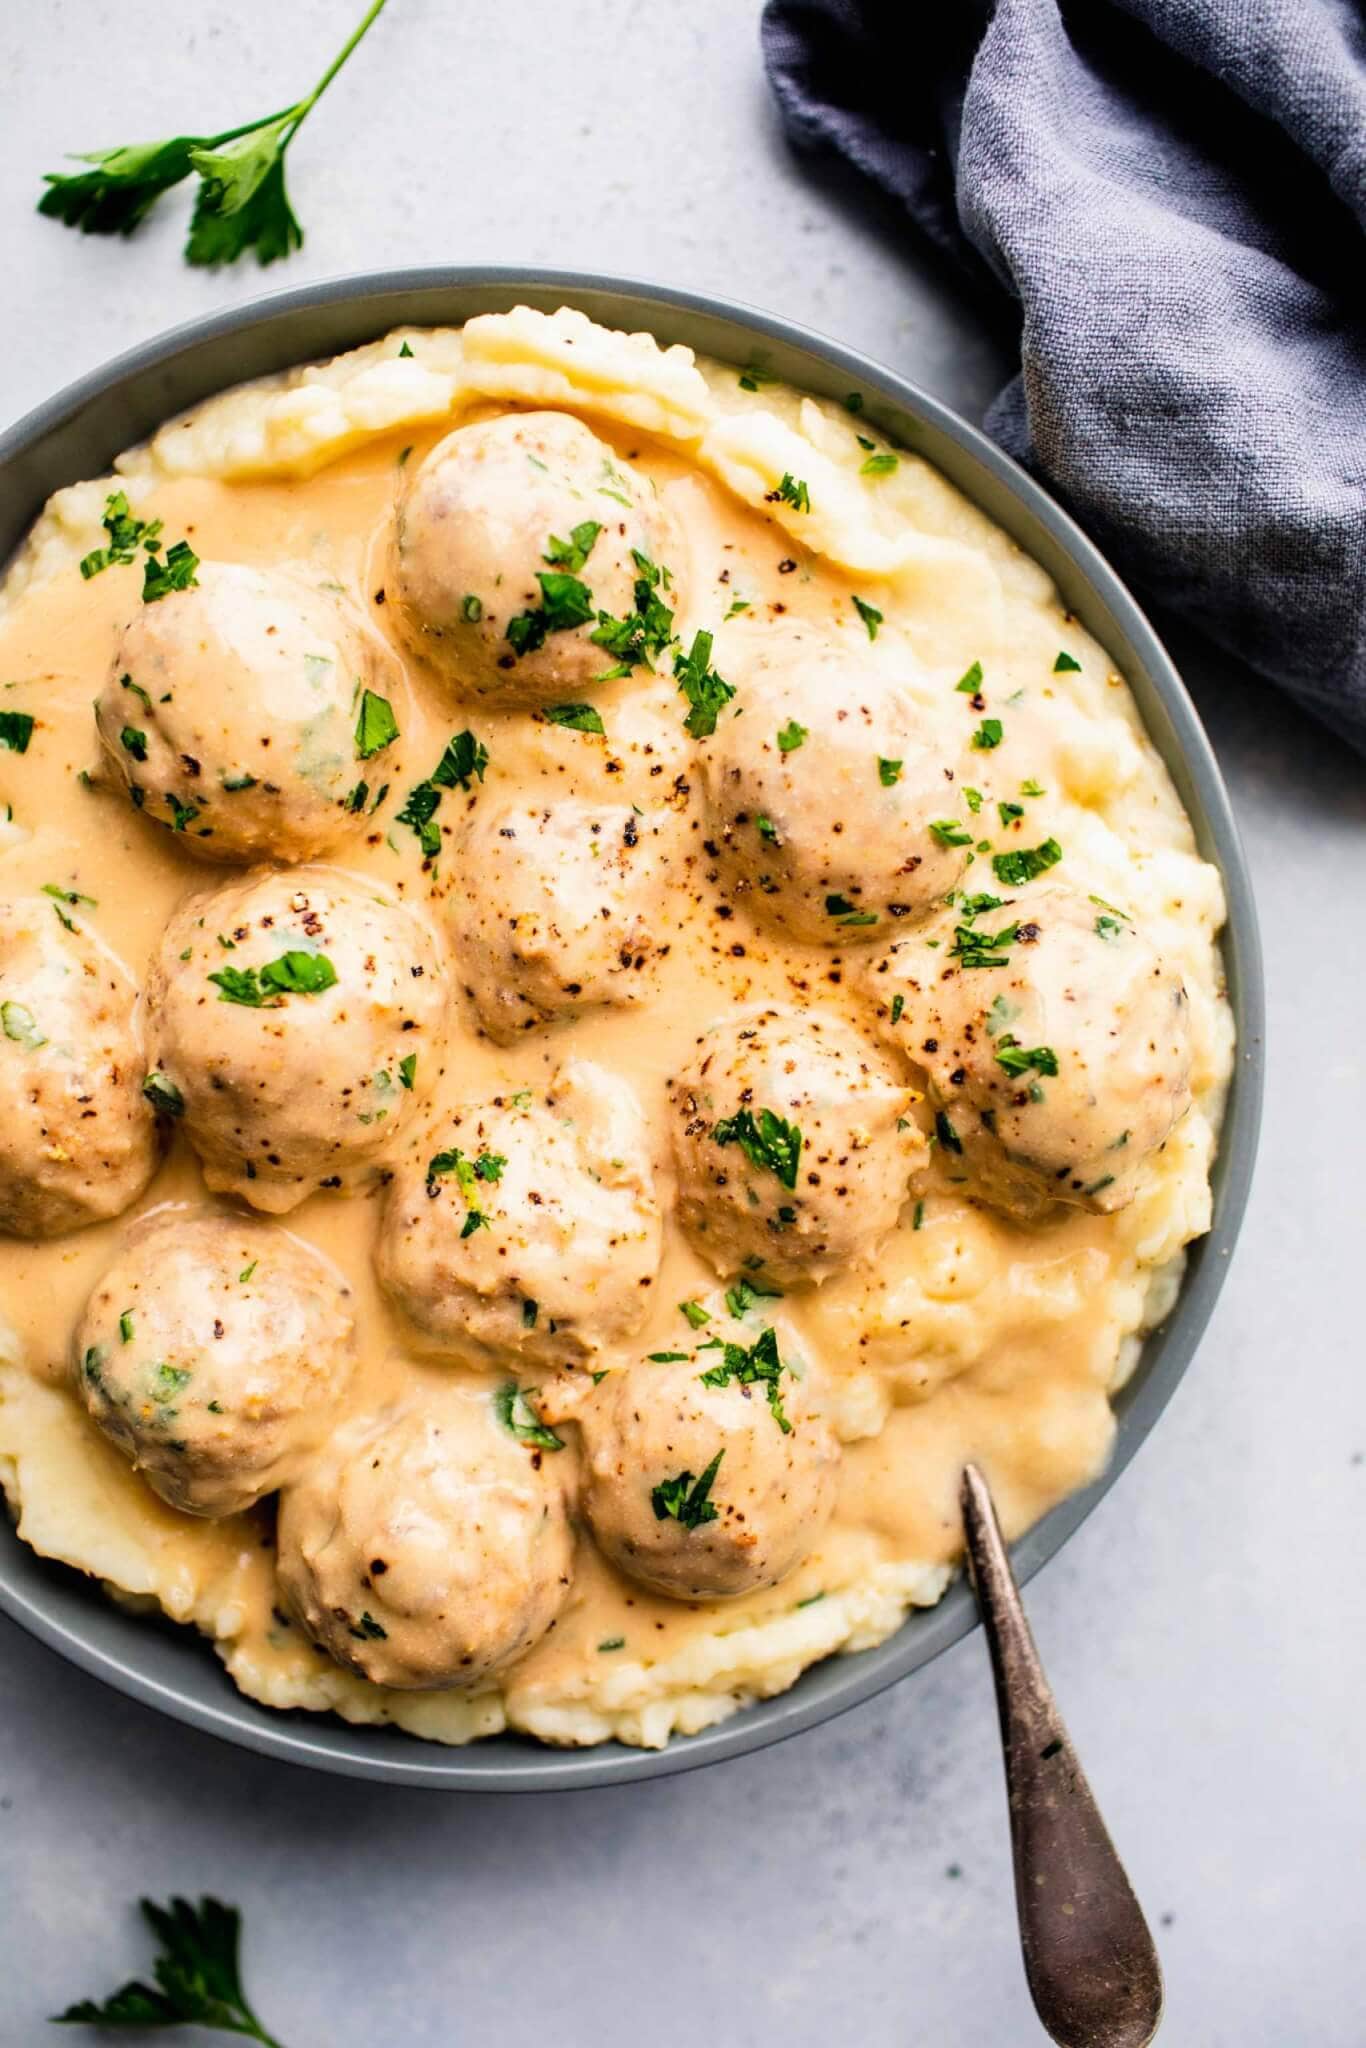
x=78, y=433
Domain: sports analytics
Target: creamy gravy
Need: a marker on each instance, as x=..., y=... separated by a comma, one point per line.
x=970, y=1337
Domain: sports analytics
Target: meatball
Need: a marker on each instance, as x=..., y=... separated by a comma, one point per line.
x=430, y=1546
x=533, y=1232
x=554, y=911
x=1055, y=1040
x=295, y=1019
x=512, y=538
x=213, y=1352
x=824, y=794
x=793, y=1145
x=711, y=1476
x=78, y=1140
x=231, y=712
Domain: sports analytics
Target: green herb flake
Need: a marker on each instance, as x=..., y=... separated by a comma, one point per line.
x=160, y=578
x=898, y=1005
x=1065, y=662
x=972, y=948
x=741, y=1297
x=16, y=730
x=133, y=742
x=21, y=1026
x=844, y=912
x=791, y=491
x=697, y=1316
x=294, y=973
x=888, y=772
x=769, y=1142
x=707, y=692
x=1025, y=865
x=71, y=896
x=686, y=1497
x=376, y=726
x=165, y=1098
x=880, y=464
x=918, y=1219
x=407, y=1068
x=571, y=554
x=945, y=1132
x=1010, y=812
x=471, y=608
x=759, y=1366
x=577, y=717
x=949, y=832
x=989, y=734
x=514, y=1410
x=791, y=737
x=1017, y=1059
x=404, y=350
x=126, y=1327
x=1032, y=788
x=869, y=613
x=753, y=375
x=463, y=762
x=612, y=1643
x=971, y=681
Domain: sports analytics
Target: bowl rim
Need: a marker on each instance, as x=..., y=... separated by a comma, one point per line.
x=69, y=1614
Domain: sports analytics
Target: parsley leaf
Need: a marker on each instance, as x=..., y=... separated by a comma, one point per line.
x=295, y=973
x=125, y=533
x=706, y=691
x=1065, y=662
x=697, y=1316
x=972, y=948
x=767, y=1141
x=949, y=832
x=407, y=1068
x=1027, y=864
x=134, y=742
x=869, y=613
x=163, y=1094
x=791, y=737
x=989, y=734
x=686, y=1497
x=19, y=1024
x=741, y=1297
x=1017, y=1059
x=970, y=682
x=16, y=730
x=888, y=772
x=881, y=464
x=198, y=1977
x=565, y=604
x=376, y=726
x=791, y=491
x=841, y=908
x=160, y=578
x=488, y=1166
x=760, y=1366
x=465, y=759
x=571, y=554
x=515, y=1412
x=578, y=717
x=645, y=631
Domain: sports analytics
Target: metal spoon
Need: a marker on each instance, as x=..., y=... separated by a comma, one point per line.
x=1088, y=1955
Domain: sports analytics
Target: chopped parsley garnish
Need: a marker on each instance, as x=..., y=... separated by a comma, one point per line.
x=20, y=1025
x=160, y=578
x=619, y=1642
x=488, y=1166
x=645, y=631
x=737, y=605
x=247, y=1272
x=844, y=912
x=1065, y=662
x=1032, y=788
x=1014, y=869
x=530, y=1310
x=869, y=613
x=918, y=1219
x=1108, y=927
x=127, y=683
x=515, y=1412
x=898, y=1005
x=163, y=1094
x=571, y=554
x=740, y=1297
x=295, y=973
x=706, y=691
x=197, y=1972
x=686, y=1497
x=235, y=784
x=565, y=604
x=769, y=1142
x=949, y=832
x=1010, y=812
x=880, y=464
x=1018, y=1059
x=697, y=1316
x=972, y=948
x=182, y=815
x=126, y=535
x=134, y=742
x=971, y=681
x=241, y=202
x=465, y=759
x=766, y=828
x=989, y=734
x=16, y=730
x=945, y=1132
x=471, y=608
x=888, y=772
x=667, y=1357
x=376, y=726
x=759, y=1366
x=407, y=1067
x=753, y=375
x=404, y=350
x=791, y=491
x=791, y=737
x=973, y=799
x=578, y=717
x=367, y=1629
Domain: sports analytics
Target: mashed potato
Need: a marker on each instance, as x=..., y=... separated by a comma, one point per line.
x=692, y=866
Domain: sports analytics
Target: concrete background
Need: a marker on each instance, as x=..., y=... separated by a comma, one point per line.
x=1204, y=1630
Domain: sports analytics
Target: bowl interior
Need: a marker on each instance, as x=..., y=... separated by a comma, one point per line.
x=78, y=433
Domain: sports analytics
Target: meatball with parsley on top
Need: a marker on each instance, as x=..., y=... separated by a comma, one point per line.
x=295, y=1021
x=239, y=713
x=529, y=561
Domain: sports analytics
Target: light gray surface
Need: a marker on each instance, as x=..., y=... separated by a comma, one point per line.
x=1206, y=1640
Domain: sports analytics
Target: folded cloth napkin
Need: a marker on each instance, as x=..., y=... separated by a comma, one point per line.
x=1175, y=192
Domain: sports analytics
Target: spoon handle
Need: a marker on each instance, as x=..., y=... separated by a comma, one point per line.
x=1090, y=1960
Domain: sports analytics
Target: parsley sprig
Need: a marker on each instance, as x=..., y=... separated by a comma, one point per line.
x=198, y=1976
x=241, y=202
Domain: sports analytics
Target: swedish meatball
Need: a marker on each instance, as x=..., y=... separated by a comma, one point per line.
x=711, y=1476
x=297, y=1017
x=823, y=794
x=430, y=1546
x=78, y=1140
x=1055, y=1039
x=534, y=1231
x=792, y=1144
x=499, y=534
x=230, y=714
x=553, y=910
x=213, y=1352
